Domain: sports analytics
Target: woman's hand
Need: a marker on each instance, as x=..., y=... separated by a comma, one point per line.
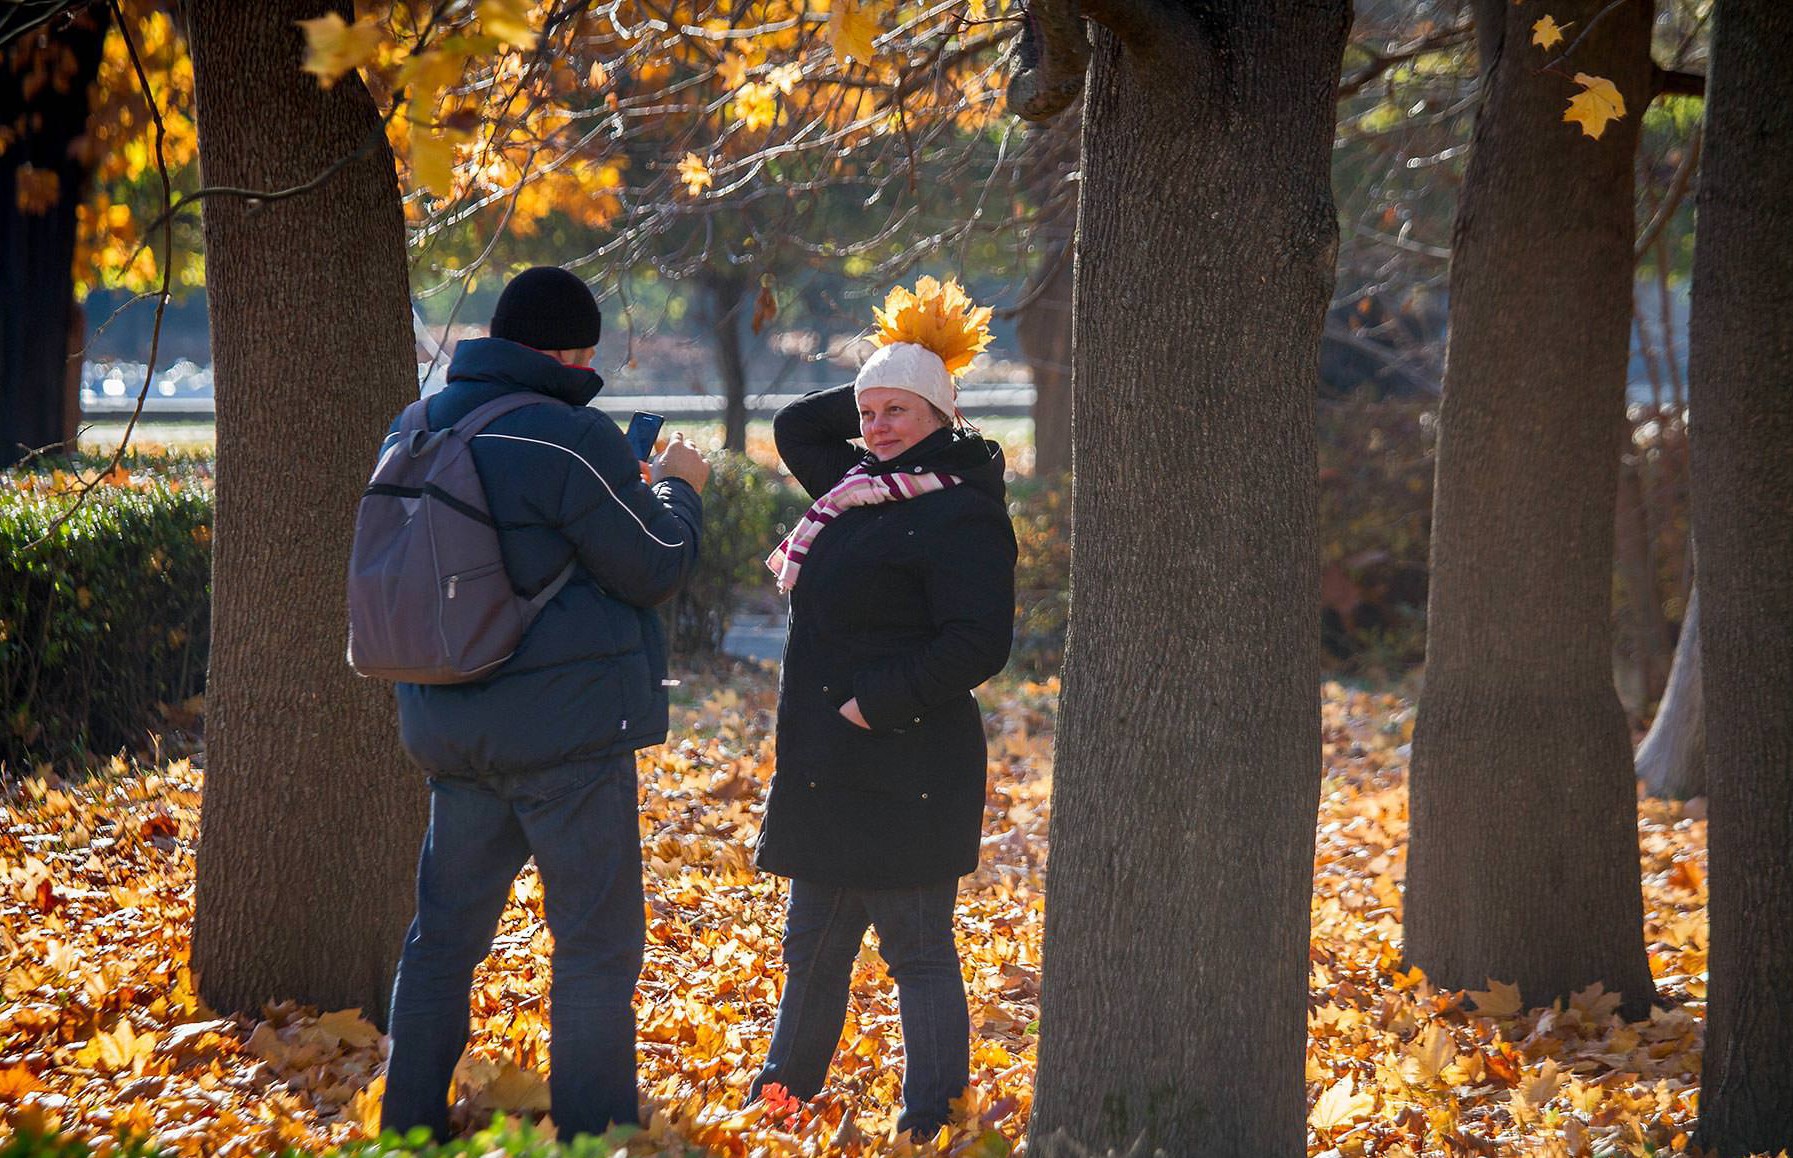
x=850, y=710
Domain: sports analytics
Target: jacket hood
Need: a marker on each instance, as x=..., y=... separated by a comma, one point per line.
x=967, y=454
x=518, y=367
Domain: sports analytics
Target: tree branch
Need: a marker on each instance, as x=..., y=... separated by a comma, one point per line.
x=1053, y=57
x=1381, y=62
x=1672, y=198
x=1676, y=82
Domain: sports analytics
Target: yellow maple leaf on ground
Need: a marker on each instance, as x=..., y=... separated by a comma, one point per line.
x=123, y=1048
x=1429, y=1054
x=1597, y=105
x=1547, y=33
x=1338, y=1105
x=348, y=1028
x=1500, y=999
x=333, y=47
x=364, y=1107
x=852, y=27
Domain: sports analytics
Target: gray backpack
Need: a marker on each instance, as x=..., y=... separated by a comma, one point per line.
x=429, y=599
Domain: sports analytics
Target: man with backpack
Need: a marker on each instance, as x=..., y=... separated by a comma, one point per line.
x=525, y=684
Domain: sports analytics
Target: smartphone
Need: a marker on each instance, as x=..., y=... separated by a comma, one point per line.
x=644, y=428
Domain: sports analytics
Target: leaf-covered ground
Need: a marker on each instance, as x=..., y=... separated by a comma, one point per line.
x=100, y=1031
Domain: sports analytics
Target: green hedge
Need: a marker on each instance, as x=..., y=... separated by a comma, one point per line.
x=104, y=624
x=747, y=509
x=1040, y=509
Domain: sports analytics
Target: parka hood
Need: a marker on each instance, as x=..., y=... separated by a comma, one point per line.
x=518, y=367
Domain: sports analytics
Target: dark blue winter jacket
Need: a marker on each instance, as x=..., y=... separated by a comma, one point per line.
x=562, y=484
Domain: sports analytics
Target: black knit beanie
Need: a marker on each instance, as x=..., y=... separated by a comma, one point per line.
x=547, y=308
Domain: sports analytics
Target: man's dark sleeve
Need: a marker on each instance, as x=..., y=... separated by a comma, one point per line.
x=639, y=542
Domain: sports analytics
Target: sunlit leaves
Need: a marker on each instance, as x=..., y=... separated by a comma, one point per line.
x=1500, y=999
x=333, y=47
x=432, y=161
x=756, y=105
x=1339, y=1105
x=939, y=316
x=1547, y=33
x=96, y=899
x=508, y=20
x=1598, y=104
x=852, y=26
x=694, y=174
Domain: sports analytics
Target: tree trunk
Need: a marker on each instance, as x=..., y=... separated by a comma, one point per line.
x=1671, y=761
x=37, y=242
x=1043, y=332
x=1523, y=863
x=312, y=814
x=1043, y=324
x=1643, y=603
x=1187, y=777
x=1741, y=378
x=725, y=298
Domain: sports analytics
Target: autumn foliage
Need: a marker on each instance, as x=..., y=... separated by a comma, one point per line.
x=100, y=1030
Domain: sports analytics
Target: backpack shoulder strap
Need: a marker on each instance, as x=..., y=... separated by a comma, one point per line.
x=414, y=418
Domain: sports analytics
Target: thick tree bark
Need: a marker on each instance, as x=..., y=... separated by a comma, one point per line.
x=1523, y=865
x=1671, y=761
x=312, y=814
x=37, y=243
x=1741, y=378
x=725, y=312
x=1187, y=776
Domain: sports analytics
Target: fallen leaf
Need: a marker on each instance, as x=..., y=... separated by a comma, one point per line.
x=1500, y=999
x=1339, y=1106
x=1428, y=1055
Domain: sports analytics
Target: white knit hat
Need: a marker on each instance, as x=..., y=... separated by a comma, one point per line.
x=911, y=367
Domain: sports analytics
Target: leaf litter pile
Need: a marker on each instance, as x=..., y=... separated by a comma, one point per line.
x=101, y=1034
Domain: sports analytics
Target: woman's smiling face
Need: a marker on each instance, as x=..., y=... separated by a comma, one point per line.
x=893, y=420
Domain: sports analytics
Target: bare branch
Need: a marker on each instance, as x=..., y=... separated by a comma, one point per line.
x=1671, y=199
x=1381, y=62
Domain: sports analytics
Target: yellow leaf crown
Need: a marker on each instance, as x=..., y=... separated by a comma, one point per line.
x=938, y=317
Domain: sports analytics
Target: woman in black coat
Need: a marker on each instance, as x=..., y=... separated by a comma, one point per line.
x=905, y=602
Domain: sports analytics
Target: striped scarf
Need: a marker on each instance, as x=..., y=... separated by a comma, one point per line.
x=855, y=489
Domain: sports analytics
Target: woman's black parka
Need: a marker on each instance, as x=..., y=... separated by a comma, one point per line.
x=906, y=605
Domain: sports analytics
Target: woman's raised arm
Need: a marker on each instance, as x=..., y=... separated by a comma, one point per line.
x=814, y=436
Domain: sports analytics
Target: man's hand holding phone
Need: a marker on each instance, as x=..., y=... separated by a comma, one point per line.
x=682, y=459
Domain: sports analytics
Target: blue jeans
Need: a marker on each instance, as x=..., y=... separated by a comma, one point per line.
x=823, y=928
x=580, y=823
